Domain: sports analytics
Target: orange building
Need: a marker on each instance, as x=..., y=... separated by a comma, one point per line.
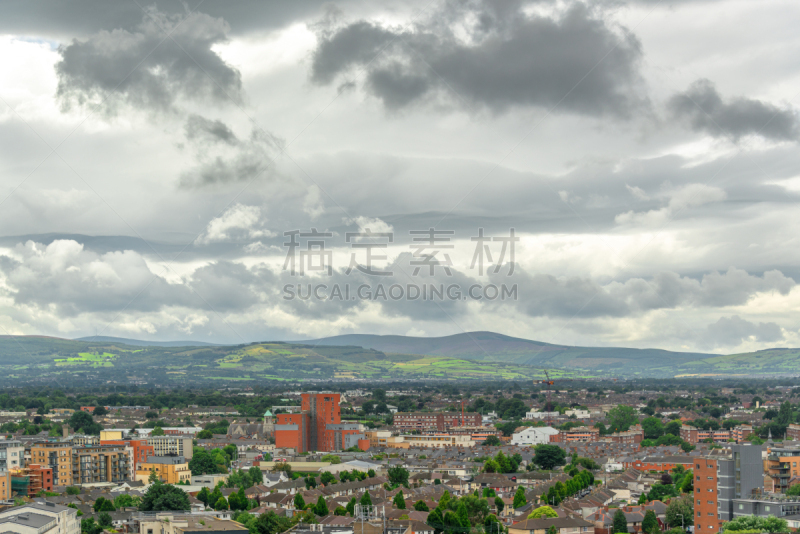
x=318, y=427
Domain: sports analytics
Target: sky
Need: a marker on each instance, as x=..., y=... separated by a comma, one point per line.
x=600, y=173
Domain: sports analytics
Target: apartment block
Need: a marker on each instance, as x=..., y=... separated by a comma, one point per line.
x=720, y=480
x=169, y=469
x=141, y=451
x=57, y=455
x=38, y=518
x=793, y=432
x=100, y=463
x=12, y=455
x=180, y=445
x=579, y=433
x=696, y=435
x=438, y=421
x=781, y=465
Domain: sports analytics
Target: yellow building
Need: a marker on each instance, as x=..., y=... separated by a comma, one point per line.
x=169, y=469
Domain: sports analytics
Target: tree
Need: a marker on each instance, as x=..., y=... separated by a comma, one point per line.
x=99, y=411
x=340, y=510
x=157, y=431
x=673, y=428
x=542, y=511
x=492, y=441
x=221, y=504
x=549, y=456
x=321, y=508
x=753, y=523
x=104, y=505
x=203, y=495
x=351, y=507
x=399, y=501
x=72, y=490
x=621, y=418
x=519, y=498
x=680, y=512
x=491, y=466
x=256, y=475
x=499, y=504
x=398, y=476
x=435, y=520
x=794, y=490
x=366, y=500
x=552, y=529
x=202, y=463
x=270, y=523
x=164, y=497
x=299, y=501
x=104, y=520
x=653, y=427
x=82, y=422
x=332, y=458
x=327, y=478
x=620, y=523
x=420, y=506
x=650, y=523
x=88, y=526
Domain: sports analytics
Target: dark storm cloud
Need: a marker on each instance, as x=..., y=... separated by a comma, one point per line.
x=546, y=295
x=85, y=17
x=575, y=61
x=221, y=157
x=731, y=331
x=706, y=111
x=147, y=70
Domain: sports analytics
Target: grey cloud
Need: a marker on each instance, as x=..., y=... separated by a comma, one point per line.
x=576, y=61
x=221, y=157
x=731, y=331
x=703, y=107
x=201, y=129
x=146, y=69
x=546, y=295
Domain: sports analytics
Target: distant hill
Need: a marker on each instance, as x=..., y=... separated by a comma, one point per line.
x=490, y=346
x=144, y=343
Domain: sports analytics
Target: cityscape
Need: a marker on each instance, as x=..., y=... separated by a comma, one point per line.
x=420, y=267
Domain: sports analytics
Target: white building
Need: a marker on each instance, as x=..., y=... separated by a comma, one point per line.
x=533, y=436
x=541, y=415
x=579, y=414
x=37, y=518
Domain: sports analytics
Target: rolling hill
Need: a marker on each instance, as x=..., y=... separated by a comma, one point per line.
x=470, y=356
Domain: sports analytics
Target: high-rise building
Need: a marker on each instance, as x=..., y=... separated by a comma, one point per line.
x=719, y=479
x=318, y=427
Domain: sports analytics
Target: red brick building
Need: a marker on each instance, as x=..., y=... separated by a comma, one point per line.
x=439, y=421
x=318, y=427
x=580, y=433
x=706, y=503
x=660, y=463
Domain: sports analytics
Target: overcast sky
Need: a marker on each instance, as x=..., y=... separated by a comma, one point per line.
x=152, y=156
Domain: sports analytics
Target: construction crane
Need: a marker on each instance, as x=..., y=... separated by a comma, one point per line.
x=548, y=382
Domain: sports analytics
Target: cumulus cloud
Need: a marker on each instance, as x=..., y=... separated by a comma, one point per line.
x=706, y=111
x=370, y=225
x=238, y=222
x=732, y=331
x=65, y=277
x=688, y=196
x=222, y=157
x=144, y=69
x=493, y=55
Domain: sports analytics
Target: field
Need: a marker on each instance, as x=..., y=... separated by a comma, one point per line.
x=37, y=359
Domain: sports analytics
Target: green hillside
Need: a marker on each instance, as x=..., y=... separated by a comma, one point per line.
x=25, y=359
